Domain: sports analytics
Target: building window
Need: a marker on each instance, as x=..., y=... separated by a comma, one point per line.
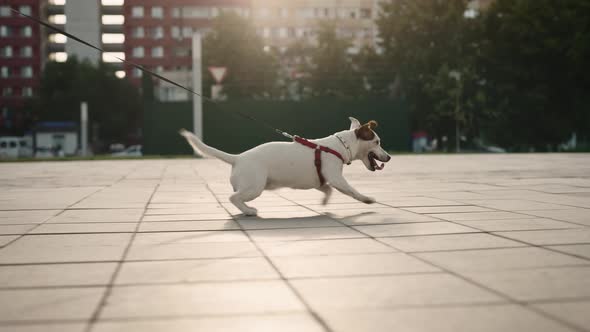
x=7, y=91
x=27, y=91
x=157, y=32
x=58, y=38
x=175, y=32
x=275, y=32
x=58, y=19
x=284, y=12
x=113, y=57
x=157, y=12
x=157, y=52
x=27, y=31
x=5, y=31
x=6, y=52
x=113, y=38
x=300, y=32
x=187, y=32
x=138, y=52
x=175, y=12
x=26, y=52
x=182, y=51
x=58, y=56
x=113, y=19
x=263, y=12
x=136, y=72
x=137, y=11
x=196, y=12
x=4, y=72
x=305, y=12
x=26, y=71
x=137, y=32
x=283, y=32
x=25, y=10
x=5, y=11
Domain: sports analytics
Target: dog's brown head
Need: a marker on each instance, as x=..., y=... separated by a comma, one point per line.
x=369, y=145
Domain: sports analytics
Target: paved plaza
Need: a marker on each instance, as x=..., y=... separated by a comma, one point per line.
x=455, y=243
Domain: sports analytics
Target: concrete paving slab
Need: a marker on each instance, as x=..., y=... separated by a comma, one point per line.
x=185, y=271
x=29, y=305
x=538, y=284
x=207, y=299
x=391, y=291
x=350, y=265
x=295, y=322
x=430, y=228
x=53, y=275
x=576, y=313
x=444, y=242
x=323, y=247
x=509, y=318
x=500, y=259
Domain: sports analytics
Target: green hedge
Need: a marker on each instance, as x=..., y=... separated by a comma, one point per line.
x=228, y=131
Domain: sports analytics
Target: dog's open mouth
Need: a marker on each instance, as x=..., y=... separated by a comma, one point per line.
x=373, y=161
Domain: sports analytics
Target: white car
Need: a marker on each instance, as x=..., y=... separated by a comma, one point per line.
x=131, y=151
x=15, y=147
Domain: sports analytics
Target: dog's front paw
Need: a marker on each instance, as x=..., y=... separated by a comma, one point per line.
x=368, y=200
x=251, y=212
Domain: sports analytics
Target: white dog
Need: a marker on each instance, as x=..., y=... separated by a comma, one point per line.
x=293, y=164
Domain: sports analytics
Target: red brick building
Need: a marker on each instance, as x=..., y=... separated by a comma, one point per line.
x=21, y=57
x=158, y=33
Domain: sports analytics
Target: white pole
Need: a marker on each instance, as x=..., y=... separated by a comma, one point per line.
x=197, y=87
x=84, y=128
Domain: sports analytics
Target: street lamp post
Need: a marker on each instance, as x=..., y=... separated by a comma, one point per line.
x=457, y=76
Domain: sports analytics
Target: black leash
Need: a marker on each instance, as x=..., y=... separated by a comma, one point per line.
x=142, y=68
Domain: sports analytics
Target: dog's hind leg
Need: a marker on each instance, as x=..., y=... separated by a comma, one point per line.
x=247, y=186
x=326, y=189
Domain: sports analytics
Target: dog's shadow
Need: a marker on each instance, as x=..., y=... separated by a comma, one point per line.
x=323, y=220
x=280, y=226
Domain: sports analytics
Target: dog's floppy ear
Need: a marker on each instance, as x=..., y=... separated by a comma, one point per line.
x=354, y=123
x=365, y=132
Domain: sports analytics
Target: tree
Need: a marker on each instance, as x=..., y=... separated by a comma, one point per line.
x=537, y=58
x=332, y=69
x=433, y=48
x=113, y=104
x=234, y=44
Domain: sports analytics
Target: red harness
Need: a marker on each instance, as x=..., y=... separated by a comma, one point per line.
x=318, y=157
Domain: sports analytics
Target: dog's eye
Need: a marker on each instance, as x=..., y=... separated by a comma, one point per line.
x=377, y=142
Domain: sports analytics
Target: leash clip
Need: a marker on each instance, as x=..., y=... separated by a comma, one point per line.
x=289, y=136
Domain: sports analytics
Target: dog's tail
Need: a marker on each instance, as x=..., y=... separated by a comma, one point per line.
x=202, y=148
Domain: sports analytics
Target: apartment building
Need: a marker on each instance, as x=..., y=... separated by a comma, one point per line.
x=158, y=36
x=99, y=22
x=281, y=23
x=21, y=56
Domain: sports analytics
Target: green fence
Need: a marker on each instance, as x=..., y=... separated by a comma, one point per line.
x=225, y=130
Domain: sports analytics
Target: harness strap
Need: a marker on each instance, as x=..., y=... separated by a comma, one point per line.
x=318, y=155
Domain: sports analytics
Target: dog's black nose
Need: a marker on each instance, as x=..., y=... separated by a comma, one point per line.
x=388, y=158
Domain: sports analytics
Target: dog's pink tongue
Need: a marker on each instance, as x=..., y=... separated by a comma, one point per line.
x=377, y=167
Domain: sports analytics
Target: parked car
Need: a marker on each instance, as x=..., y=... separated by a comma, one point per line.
x=131, y=151
x=15, y=147
x=44, y=152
